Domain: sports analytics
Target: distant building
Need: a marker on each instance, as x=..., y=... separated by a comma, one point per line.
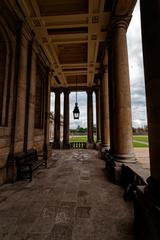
x=51, y=127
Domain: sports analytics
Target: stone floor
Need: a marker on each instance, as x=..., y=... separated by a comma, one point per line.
x=70, y=200
x=142, y=166
x=142, y=155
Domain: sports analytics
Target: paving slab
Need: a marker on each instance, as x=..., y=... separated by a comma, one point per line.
x=70, y=200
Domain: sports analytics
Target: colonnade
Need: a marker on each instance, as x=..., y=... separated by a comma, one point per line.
x=113, y=101
x=66, y=145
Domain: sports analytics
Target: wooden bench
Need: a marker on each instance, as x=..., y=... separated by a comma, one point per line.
x=27, y=162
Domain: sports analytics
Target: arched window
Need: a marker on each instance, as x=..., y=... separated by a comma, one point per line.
x=3, y=80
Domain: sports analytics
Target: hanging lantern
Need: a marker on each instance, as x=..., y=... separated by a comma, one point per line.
x=76, y=112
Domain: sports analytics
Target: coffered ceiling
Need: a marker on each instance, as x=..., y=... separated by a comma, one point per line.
x=72, y=33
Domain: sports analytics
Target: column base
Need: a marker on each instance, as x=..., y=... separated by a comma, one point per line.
x=104, y=148
x=124, y=158
x=66, y=145
x=90, y=145
x=47, y=150
x=11, y=169
x=147, y=215
x=153, y=191
x=56, y=145
x=98, y=145
x=114, y=168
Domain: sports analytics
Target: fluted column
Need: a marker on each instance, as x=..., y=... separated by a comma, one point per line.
x=105, y=138
x=66, y=120
x=56, y=143
x=123, y=150
x=98, y=116
x=90, y=118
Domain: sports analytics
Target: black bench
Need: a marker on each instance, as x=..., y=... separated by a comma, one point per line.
x=29, y=161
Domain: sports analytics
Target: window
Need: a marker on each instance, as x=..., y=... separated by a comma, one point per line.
x=4, y=91
x=40, y=95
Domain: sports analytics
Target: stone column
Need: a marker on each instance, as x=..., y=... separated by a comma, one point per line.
x=98, y=118
x=123, y=150
x=105, y=138
x=147, y=200
x=111, y=99
x=56, y=143
x=90, y=141
x=66, y=120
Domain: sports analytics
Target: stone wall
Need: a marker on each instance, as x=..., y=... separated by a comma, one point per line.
x=17, y=115
x=8, y=32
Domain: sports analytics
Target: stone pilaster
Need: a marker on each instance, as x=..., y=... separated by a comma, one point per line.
x=21, y=92
x=90, y=142
x=66, y=120
x=98, y=118
x=19, y=117
x=56, y=143
x=123, y=150
x=105, y=138
x=30, y=101
x=147, y=200
x=46, y=147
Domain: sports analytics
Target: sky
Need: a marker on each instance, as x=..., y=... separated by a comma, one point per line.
x=136, y=81
x=136, y=70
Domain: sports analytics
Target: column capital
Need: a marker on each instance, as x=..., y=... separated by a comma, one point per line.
x=57, y=90
x=89, y=90
x=104, y=69
x=26, y=31
x=97, y=90
x=120, y=22
x=66, y=91
x=51, y=73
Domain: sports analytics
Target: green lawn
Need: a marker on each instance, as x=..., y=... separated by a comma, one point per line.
x=140, y=145
x=135, y=144
x=80, y=138
x=141, y=138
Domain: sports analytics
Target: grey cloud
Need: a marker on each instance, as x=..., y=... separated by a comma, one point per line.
x=136, y=80
x=82, y=103
x=136, y=70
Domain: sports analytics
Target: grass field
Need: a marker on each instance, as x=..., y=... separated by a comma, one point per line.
x=138, y=141
x=80, y=138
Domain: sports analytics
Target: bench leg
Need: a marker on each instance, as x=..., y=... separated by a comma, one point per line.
x=45, y=163
x=30, y=173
